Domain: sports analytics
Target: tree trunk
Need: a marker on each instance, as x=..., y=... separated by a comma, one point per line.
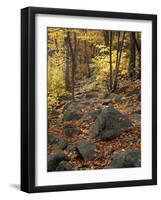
x=66, y=64
x=119, y=48
x=74, y=59
x=110, y=84
x=131, y=68
x=117, y=58
x=86, y=58
x=138, y=47
x=106, y=37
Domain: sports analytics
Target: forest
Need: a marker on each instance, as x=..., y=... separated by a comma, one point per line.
x=94, y=99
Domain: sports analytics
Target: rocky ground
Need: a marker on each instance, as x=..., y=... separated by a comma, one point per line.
x=98, y=130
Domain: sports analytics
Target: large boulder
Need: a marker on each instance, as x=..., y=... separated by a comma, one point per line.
x=126, y=159
x=58, y=143
x=70, y=130
x=54, y=159
x=52, y=139
x=109, y=124
x=62, y=143
x=86, y=149
x=64, y=166
x=73, y=151
x=90, y=115
x=72, y=112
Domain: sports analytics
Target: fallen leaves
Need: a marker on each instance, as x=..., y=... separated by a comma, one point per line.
x=130, y=139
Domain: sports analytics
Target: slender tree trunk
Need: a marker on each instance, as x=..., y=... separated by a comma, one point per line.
x=66, y=64
x=110, y=84
x=86, y=58
x=106, y=37
x=117, y=58
x=131, y=68
x=74, y=59
x=119, y=48
x=138, y=47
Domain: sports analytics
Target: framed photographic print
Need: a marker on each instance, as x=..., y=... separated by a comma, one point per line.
x=88, y=99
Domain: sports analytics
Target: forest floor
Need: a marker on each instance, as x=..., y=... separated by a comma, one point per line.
x=126, y=100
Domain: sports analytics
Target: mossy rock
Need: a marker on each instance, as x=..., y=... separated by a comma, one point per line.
x=72, y=112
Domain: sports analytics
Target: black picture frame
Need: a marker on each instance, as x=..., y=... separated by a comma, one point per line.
x=28, y=99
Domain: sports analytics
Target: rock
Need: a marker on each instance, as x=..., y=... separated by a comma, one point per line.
x=85, y=102
x=109, y=124
x=62, y=143
x=110, y=134
x=64, y=166
x=135, y=118
x=128, y=158
x=94, y=113
x=71, y=147
x=107, y=101
x=70, y=130
x=59, y=143
x=72, y=112
x=89, y=95
x=86, y=149
x=90, y=115
x=52, y=139
x=54, y=159
x=78, y=167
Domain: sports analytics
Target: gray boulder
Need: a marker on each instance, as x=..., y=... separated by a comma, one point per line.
x=71, y=147
x=64, y=166
x=70, y=130
x=58, y=143
x=126, y=159
x=72, y=112
x=89, y=95
x=109, y=124
x=52, y=139
x=86, y=149
x=54, y=159
x=90, y=115
x=62, y=143
x=94, y=113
